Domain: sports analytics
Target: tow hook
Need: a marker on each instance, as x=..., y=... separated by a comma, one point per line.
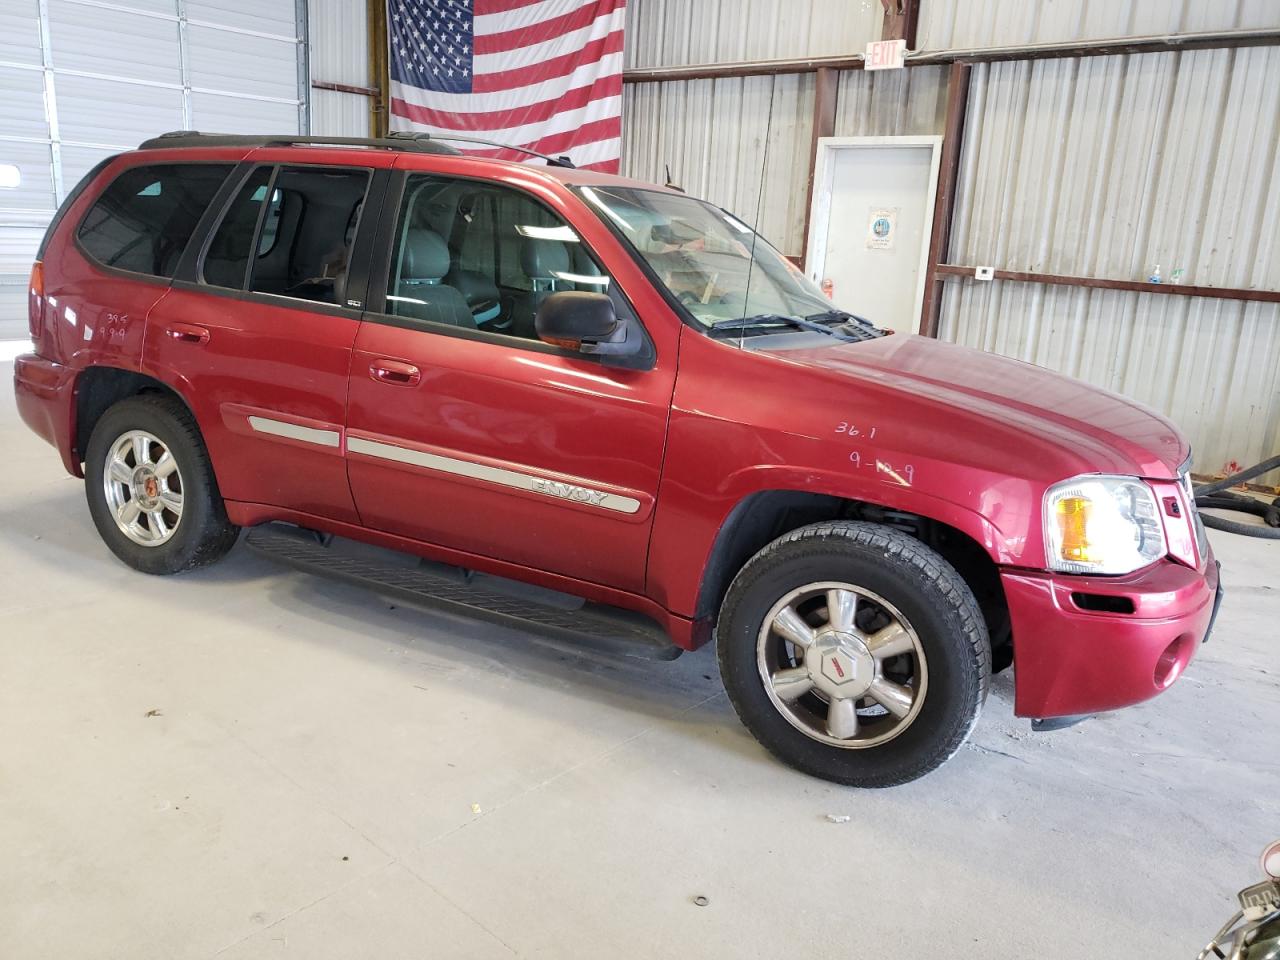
x=1058, y=723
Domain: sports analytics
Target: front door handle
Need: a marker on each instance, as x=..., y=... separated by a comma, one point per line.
x=395, y=372
x=188, y=332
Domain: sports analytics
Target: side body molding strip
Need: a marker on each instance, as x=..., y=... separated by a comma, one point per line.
x=499, y=475
x=294, y=431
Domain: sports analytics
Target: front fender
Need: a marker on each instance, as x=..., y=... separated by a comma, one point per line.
x=691, y=518
x=888, y=490
x=744, y=422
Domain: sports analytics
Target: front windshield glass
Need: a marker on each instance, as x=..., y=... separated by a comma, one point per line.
x=704, y=256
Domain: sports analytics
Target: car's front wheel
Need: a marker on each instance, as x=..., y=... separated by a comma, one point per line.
x=151, y=489
x=854, y=653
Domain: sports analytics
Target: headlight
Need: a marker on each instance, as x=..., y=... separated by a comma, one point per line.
x=1097, y=524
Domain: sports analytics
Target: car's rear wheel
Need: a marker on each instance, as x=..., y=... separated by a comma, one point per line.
x=151, y=489
x=854, y=653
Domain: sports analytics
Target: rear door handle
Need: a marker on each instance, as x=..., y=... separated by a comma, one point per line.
x=188, y=332
x=395, y=372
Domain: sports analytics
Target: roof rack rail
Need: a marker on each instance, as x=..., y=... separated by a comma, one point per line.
x=194, y=138
x=437, y=143
x=560, y=161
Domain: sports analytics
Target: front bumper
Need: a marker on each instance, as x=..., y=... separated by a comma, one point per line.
x=1086, y=644
x=44, y=392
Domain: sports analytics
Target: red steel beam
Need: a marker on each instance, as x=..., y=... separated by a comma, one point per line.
x=1214, y=40
x=824, y=125
x=944, y=201
x=945, y=271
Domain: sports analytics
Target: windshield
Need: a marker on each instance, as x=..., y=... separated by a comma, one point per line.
x=704, y=257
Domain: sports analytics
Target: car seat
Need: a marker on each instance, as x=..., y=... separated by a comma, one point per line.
x=419, y=291
x=481, y=294
x=543, y=262
x=584, y=266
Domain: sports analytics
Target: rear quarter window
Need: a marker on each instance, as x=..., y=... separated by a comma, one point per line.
x=145, y=217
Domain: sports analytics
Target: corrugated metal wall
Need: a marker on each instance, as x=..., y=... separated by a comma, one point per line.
x=83, y=79
x=891, y=103
x=961, y=24
x=338, y=34
x=663, y=33
x=712, y=135
x=712, y=132
x=1092, y=167
x=1105, y=167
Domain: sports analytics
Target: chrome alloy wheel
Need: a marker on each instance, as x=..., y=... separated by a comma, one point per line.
x=842, y=665
x=144, y=488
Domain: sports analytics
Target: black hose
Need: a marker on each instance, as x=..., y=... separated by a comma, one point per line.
x=1216, y=496
x=1256, y=470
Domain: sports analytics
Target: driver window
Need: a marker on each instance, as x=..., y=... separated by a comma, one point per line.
x=482, y=256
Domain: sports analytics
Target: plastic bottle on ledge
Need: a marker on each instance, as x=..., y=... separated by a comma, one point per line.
x=1155, y=276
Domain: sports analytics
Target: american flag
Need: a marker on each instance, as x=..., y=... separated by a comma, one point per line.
x=542, y=74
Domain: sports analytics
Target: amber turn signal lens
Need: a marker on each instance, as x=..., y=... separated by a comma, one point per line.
x=35, y=308
x=1073, y=526
x=564, y=344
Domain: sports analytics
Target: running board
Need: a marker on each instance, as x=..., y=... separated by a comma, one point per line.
x=558, y=617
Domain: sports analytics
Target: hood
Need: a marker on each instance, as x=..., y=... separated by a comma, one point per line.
x=1090, y=428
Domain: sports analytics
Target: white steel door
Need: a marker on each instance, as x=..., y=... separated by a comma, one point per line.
x=870, y=224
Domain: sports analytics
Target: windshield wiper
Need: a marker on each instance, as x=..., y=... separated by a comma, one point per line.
x=844, y=316
x=766, y=320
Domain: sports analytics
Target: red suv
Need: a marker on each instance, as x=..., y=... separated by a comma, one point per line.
x=613, y=414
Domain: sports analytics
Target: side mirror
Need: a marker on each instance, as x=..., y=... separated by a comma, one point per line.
x=586, y=321
x=575, y=319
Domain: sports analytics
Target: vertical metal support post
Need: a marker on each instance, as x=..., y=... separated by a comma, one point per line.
x=302, y=26
x=184, y=65
x=51, y=105
x=379, y=69
x=824, y=125
x=945, y=199
x=901, y=20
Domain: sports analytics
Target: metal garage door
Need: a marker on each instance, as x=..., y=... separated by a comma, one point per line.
x=86, y=78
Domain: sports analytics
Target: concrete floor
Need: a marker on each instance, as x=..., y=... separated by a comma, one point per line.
x=248, y=762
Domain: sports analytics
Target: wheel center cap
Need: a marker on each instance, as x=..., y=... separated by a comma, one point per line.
x=841, y=665
x=146, y=488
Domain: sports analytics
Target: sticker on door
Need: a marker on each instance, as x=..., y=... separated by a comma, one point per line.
x=882, y=226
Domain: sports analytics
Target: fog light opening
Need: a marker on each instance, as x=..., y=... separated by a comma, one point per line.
x=1102, y=602
x=1172, y=662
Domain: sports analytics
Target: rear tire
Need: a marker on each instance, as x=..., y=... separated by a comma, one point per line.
x=912, y=636
x=151, y=489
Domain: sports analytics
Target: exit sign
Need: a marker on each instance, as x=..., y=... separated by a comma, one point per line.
x=886, y=55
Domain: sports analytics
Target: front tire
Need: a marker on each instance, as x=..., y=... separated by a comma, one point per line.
x=854, y=653
x=151, y=489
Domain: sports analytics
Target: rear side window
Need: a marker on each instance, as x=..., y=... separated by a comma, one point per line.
x=144, y=219
x=227, y=259
x=300, y=223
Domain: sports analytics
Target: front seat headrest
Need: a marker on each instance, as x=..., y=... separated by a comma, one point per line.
x=426, y=256
x=544, y=258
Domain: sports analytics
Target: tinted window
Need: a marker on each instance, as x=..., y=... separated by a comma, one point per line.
x=482, y=256
x=144, y=219
x=227, y=259
x=66, y=204
x=304, y=220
